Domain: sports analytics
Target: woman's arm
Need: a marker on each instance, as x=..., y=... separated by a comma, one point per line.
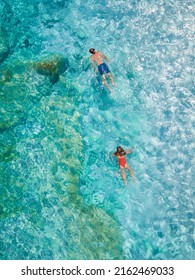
x=129, y=151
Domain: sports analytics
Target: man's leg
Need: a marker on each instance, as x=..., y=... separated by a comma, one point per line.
x=131, y=172
x=111, y=78
x=105, y=81
x=123, y=175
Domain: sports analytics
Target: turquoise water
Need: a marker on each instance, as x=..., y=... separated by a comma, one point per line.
x=61, y=194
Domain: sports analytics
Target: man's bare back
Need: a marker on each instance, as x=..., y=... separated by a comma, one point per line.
x=97, y=58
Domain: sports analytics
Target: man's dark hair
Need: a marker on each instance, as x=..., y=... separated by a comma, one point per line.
x=92, y=50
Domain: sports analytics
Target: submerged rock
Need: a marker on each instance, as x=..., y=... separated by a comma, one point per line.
x=6, y=153
x=25, y=44
x=52, y=67
x=11, y=119
x=5, y=75
x=45, y=137
x=4, y=47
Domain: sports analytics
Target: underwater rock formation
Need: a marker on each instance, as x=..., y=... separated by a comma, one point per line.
x=4, y=47
x=40, y=138
x=52, y=67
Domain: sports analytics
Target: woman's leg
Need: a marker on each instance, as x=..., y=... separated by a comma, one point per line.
x=131, y=172
x=123, y=175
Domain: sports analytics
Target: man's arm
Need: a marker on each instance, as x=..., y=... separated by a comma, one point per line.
x=129, y=151
x=93, y=65
x=105, y=57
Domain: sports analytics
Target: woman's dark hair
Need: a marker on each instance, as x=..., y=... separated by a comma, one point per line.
x=92, y=50
x=121, y=152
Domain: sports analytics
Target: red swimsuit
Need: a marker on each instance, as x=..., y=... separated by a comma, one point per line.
x=122, y=161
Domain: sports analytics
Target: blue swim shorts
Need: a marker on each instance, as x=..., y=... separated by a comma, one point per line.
x=103, y=68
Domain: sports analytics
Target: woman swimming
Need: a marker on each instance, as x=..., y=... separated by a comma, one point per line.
x=120, y=154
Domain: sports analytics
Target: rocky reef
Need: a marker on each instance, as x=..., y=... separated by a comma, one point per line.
x=40, y=165
x=4, y=47
x=52, y=67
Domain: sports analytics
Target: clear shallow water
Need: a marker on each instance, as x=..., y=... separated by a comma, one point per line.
x=62, y=196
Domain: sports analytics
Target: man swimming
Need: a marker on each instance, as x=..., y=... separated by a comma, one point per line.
x=98, y=57
x=120, y=154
